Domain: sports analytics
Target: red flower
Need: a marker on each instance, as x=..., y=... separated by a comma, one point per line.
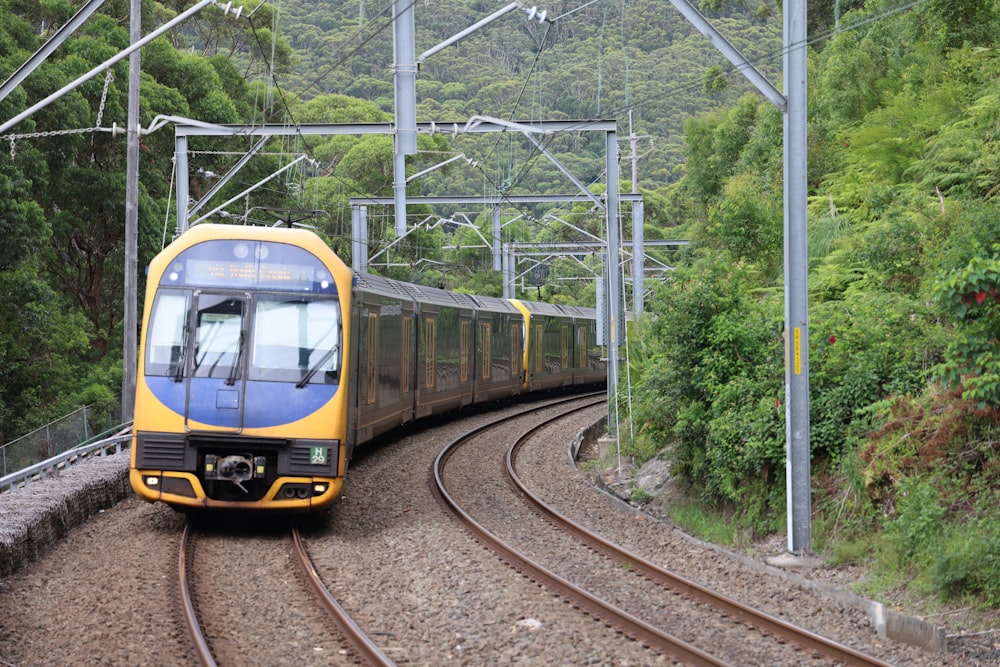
x=833, y=339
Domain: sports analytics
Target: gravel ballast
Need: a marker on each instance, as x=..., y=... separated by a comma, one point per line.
x=86, y=569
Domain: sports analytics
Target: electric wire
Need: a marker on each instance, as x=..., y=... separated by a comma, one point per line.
x=774, y=55
x=534, y=153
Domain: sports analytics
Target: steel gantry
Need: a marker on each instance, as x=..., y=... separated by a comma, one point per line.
x=612, y=305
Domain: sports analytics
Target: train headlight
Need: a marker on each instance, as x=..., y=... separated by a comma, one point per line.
x=152, y=480
x=319, y=489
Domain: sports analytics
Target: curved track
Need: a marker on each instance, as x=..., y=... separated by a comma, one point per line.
x=649, y=630
x=633, y=627
x=743, y=613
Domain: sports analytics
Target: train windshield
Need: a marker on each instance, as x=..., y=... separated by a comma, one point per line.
x=218, y=346
x=260, y=336
x=168, y=334
x=296, y=340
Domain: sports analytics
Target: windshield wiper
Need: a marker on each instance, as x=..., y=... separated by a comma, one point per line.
x=234, y=372
x=312, y=371
x=182, y=356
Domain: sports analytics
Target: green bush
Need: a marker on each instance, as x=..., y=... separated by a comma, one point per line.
x=709, y=386
x=966, y=562
x=918, y=520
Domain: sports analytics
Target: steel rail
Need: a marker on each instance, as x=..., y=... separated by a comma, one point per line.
x=743, y=613
x=190, y=616
x=362, y=644
x=627, y=624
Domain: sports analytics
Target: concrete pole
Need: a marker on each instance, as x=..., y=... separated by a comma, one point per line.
x=614, y=281
x=508, y=271
x=496, y=239
x=183, y=181
x=131, y=296
x=359, y=239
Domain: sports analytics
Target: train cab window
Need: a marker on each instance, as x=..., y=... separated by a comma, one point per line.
x=581, y=347
x=486, y=336
x=167, y=334
x=219, y=335
x=296, y=339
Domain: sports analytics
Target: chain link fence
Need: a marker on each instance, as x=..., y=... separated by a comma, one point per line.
x=77, y=428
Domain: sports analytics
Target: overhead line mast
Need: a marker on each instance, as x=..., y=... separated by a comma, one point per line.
x=792, y=104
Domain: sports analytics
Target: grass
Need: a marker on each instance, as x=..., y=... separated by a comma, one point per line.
x=695, y=519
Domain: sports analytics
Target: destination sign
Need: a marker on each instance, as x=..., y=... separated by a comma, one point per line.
x=210, y=272
x=250, y=265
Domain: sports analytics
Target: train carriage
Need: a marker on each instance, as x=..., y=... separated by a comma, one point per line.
x=499, y=353
x=589, y=363
x=445, y=350
x=240, y=368
x=549, y=345
x=265, y=361
x=383, y=321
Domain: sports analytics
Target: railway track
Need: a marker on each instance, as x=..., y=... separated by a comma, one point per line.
x=226, y=613
x=712, y=629
x=411, y=577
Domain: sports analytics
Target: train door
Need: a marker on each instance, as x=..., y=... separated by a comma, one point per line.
x=539, y=349
x=215, y=378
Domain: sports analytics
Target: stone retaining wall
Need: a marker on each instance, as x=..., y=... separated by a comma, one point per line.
x=34, y=517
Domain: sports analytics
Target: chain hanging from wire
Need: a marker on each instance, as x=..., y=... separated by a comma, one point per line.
x=108, y=78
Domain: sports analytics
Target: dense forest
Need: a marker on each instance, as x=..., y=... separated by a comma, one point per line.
x=904, y=238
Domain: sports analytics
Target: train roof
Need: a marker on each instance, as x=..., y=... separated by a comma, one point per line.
x=581, y=311
x=441, y=297
x=493, y=303
x=540, y=308
x=369, y=282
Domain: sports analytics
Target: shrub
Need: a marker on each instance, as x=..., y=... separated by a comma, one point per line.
x=918, y=520
x=966, y=562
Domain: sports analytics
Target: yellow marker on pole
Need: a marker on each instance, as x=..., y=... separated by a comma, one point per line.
x=798, y=350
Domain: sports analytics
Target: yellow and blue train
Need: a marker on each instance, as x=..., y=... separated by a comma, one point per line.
x=264, y=361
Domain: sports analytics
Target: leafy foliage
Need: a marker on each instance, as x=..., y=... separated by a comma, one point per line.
x=903, y=248
x=904, y=368
x=713, y=388
x=970, y=296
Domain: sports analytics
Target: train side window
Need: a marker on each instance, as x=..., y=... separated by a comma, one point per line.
x=404, y=382
x=539, y=351
x=581, y=347
x=564, y=360
x=486, y=331
x=372, y=357
x=516, y=351
x=463, y=350
x=430, y=344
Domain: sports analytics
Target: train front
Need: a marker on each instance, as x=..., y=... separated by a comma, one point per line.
x=242, y=391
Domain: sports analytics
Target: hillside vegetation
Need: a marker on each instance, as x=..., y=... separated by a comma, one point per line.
x=904, y=236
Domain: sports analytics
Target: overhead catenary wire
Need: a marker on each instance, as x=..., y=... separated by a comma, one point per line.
x=695, y=84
